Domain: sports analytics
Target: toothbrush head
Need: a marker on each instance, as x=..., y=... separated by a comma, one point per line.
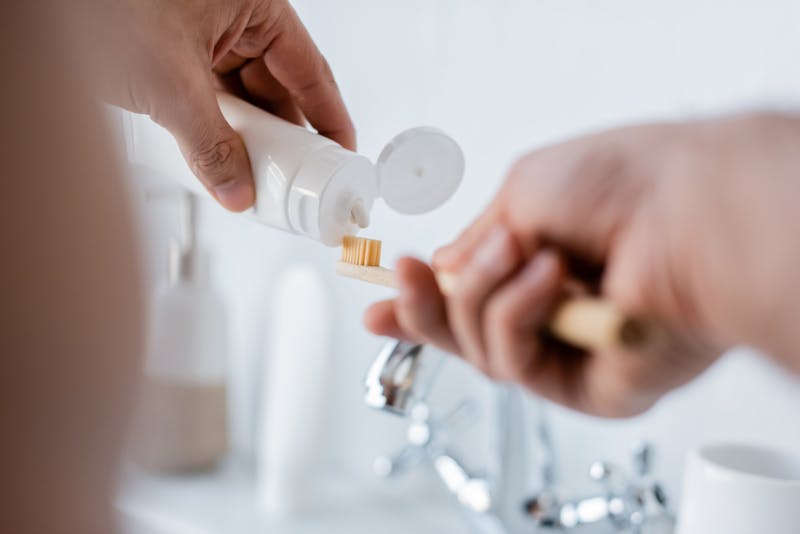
x=361, y=251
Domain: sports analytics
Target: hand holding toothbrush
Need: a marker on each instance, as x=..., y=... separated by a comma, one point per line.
x=660, y=220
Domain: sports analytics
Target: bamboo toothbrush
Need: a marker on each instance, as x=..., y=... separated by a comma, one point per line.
x=585, y=322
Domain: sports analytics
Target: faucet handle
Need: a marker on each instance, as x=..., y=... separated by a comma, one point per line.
x=389, y=466
x=632, y=500
x=433, y=434
x=461, y=417
x=418, y=435
x=611, y=477
x=426, y=437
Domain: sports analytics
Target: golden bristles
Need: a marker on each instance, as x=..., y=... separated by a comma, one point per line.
x=361, y=251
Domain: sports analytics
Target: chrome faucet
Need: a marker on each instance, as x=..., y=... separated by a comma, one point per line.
x=498, y=500
x=398, y=381
x=400, y=376
x=634, y=505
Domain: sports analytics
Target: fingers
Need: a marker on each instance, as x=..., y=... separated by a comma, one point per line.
x=491, y=263
x=213, y=150
x=515, y=314
x=380, y=319
x=294, y=60
x=504, y=318
x=284, y=72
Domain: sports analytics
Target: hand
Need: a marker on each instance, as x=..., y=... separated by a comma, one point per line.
x=167, y=59
x=692, y=226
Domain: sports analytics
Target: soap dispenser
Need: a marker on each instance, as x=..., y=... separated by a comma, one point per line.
x=181, y=423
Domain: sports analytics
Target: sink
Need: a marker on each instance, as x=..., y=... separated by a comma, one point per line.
x=222, y=502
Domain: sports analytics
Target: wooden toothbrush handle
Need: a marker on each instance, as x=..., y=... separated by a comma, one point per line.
x=585, y=322
x=593, y=323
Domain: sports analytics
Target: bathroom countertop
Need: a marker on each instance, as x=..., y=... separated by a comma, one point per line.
x=223, y=503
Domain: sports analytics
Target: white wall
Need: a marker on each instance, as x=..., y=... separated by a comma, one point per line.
x=503, y=77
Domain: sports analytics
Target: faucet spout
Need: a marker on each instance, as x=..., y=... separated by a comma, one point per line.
x=400, y=376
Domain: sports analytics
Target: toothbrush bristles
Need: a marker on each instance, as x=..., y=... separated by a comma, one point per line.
x=361, y=251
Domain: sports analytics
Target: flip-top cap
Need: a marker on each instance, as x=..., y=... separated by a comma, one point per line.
x=419, y=170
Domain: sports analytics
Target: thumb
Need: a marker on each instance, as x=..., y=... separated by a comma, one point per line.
x=213, y=150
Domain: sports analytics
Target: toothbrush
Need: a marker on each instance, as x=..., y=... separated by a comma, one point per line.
x=585, y=322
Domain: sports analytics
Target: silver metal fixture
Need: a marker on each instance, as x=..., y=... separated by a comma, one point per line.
x=399, y=380
x=429, y=442
x=400, y=376
x=633, y=505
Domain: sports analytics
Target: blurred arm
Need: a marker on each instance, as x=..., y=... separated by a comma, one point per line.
x=70, y=312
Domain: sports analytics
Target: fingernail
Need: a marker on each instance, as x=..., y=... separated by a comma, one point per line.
x=235, y=195
x=492, y=252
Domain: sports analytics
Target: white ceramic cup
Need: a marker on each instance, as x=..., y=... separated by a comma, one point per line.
x=740, y=489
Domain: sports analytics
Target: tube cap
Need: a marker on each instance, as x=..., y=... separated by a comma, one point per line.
x=419, y=170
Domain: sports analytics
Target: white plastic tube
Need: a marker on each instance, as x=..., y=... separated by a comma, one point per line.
x=305, y=183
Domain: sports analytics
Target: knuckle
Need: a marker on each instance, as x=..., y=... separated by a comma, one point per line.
x=212, y=161
x=262, y=29
x=318, y=83
x=252, y=42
